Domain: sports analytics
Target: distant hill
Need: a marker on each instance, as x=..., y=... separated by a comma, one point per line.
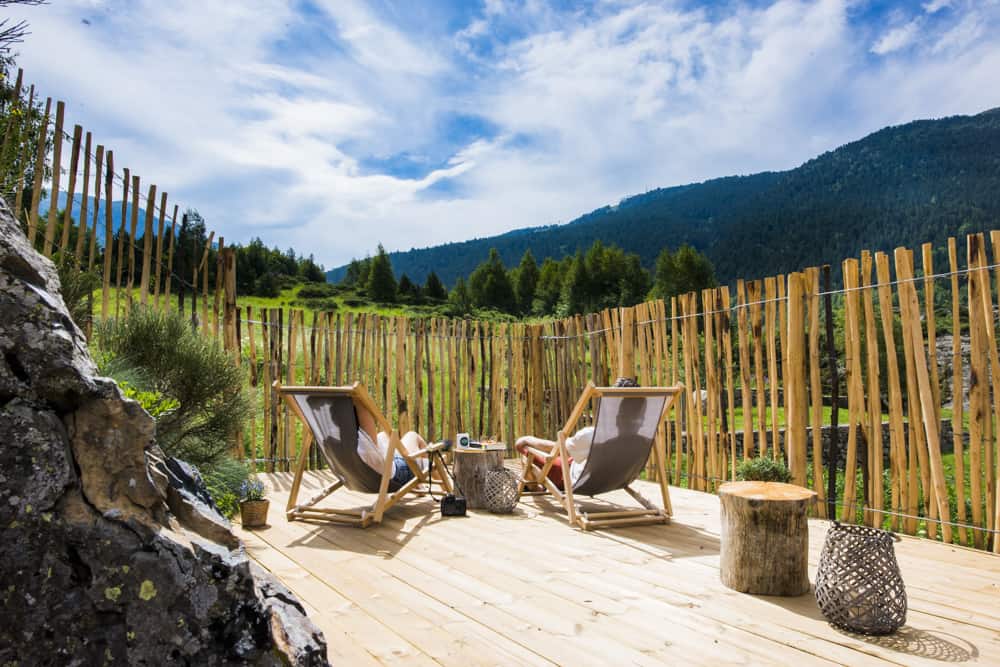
x=903, y=185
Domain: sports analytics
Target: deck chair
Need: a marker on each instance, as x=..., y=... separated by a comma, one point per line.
x=332, y=424
x=624, y=434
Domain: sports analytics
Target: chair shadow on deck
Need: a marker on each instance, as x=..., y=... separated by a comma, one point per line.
x=908, y=640
x=669, y=541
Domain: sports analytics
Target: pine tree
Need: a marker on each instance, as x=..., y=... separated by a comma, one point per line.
x=459, y=300
x=381, y=280
x=549, y=287
x=576, y=297
x=408, y=289
x=686, y=270
x=527, y=281
x=490, y=286
x=434, y=289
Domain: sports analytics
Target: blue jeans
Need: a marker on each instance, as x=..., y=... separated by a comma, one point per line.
x=401, y=471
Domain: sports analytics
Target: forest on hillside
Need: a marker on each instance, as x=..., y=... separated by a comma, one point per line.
x=901, y=186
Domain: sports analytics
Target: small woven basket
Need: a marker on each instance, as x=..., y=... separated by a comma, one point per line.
x=500, y=491
x=858, y=584
x=253, y=513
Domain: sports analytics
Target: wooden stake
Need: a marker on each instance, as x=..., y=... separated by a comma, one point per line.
x=745, y=369
x=874, y=492
x=147, y=246
x=795, y=372
x=926, y=397
x=121, y=240
x=170, y=262
x=897, y=430
x=50, y=228
x=109, y=238
x=158, y=257
x=74, y=164
x=132, y=229
x=22, y=163
x=81, y=236
x=39, y=172
x=957, y=392
x=98, y=173
x=816, y=389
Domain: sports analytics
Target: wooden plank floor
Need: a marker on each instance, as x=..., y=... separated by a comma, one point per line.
x=525, y=588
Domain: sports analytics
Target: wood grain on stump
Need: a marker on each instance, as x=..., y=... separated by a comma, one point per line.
x=470, y=474
x=765, y=537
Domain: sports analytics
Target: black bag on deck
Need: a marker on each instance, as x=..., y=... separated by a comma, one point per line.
x=452, y=505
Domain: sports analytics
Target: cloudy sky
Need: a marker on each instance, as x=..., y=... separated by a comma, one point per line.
x=333, y=125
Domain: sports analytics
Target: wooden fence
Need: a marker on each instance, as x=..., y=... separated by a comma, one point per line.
x=761, y=363
x=130, y=254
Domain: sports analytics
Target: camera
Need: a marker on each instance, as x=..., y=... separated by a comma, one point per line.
x=452, y=505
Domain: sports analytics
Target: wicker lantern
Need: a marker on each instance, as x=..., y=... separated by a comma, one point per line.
x=858, y=584
x=500, y=491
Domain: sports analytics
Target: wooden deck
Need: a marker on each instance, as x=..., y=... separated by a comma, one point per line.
x=525, y=588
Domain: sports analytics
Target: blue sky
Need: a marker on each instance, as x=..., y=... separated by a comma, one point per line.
x=333, y=125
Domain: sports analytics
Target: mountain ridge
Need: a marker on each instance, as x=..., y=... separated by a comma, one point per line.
x=906, y=184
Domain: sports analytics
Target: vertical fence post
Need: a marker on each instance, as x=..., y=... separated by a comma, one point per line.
x=81, y=235
x=92, y=254
x=108, y=236
x=74, y=164
x=57, y=142
x=147, y=246
x=833, y=448
x=36, y=185
x=795, y=372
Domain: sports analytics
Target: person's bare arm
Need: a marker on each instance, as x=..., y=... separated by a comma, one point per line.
x=536, y=443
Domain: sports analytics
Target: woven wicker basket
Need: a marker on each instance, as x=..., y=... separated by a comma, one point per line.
x=858, y=584
x=253, y=513
x=500, y=491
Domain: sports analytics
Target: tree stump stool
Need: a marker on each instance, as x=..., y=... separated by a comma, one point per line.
x=470, y=474
x=765, y=537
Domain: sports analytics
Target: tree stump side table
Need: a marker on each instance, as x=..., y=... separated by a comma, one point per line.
x=470, y=473
x=765, y=537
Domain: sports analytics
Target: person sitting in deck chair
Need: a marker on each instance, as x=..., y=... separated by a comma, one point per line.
x=578, y=446
x=373, y=445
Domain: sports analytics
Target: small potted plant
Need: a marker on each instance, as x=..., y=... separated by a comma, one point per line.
x=253, y=504
x=763, y=469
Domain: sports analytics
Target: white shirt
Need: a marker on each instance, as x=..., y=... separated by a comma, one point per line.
x=578, y=447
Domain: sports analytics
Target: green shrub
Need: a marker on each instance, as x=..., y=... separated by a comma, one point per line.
x=159, y=353
x=153, y=402
x=77, y=287
x=318, y=291
x=224, y=480
x=763, y=469
x=326, y=304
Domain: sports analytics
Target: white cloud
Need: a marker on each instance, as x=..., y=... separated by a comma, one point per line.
x=225, y=107
x=934, y=6
x=897, y=38
x=962, y=35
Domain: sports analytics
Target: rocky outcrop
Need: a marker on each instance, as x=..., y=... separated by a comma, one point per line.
x=109, y=552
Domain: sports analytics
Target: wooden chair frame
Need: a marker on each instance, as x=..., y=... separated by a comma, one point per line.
x=364, y=516
x=538, y=475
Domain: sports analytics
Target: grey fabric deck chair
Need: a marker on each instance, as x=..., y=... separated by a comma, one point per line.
x=624, y=435
x=331, y=421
